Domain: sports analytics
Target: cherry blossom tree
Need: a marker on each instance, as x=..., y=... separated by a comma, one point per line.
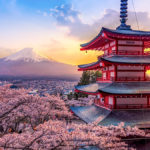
x=31, y=122
x=59, y=135
x=18, y=109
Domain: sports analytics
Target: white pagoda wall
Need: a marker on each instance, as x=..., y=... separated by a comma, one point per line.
x=123, y=47
x=130, y=68
x=110, y=100
x=104, y=75
x=130, y=47
x=134, y=101
x=129, y=42
x=130, y=74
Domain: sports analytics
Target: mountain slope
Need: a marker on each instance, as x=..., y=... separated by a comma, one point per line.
x=28, y=63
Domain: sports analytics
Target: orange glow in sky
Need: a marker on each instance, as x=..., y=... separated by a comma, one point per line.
x=56, y=28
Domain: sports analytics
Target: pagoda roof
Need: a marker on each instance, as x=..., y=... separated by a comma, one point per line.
x=107, y=35
x=122, y=59
x=90, y=66
x=91, y=113
x=91, y=88
x=127, y=88
x=129, y=32
x=106, y=117
x=116, y=88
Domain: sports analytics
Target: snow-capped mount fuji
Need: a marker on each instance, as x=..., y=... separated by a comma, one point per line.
x=26, y=55
x=27, y=63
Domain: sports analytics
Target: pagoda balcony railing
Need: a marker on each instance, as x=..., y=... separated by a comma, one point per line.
x=127, y=52
x=132, y=106
x=122, y=106
x=124, y=52
x=100, y=79
x=133, y=79
x=133, y=53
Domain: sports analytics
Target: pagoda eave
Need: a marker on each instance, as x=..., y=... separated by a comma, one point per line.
x=106, y=62
x=127, y=88
x=127, y=60
x=108, y=35
x=91, y=88
x=91, y=66
x=84, y=92
x=97, y=45
x=116, y=88
x=127, y=34
x=96, y=67
x=122, y=94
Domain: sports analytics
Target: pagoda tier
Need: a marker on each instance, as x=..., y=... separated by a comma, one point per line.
x=108, y=36
x=116, y=88
x=102, y=62
x=119, y=95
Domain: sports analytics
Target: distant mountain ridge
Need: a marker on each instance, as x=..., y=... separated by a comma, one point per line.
x=28, y=63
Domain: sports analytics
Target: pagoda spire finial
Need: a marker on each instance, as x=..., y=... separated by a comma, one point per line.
x=124, y=15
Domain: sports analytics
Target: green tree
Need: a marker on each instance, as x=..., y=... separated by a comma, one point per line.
x=85, y=79
x=98, y=74
x=89, y=77
x=94, y=75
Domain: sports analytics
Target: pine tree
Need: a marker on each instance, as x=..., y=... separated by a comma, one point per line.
x=85, y=79
x=94, y=75
x=98, y=74
x=88, y=77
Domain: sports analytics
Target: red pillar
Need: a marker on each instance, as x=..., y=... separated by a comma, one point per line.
x=143, y=48
x=147, y=101
x=115, y=72
x=144, y=73
x=114, y=103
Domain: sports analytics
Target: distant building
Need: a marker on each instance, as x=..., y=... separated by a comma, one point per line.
x=14, y=86
x=33, y=92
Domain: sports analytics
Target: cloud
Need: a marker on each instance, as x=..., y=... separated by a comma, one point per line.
x=142, y=18
x=67, y=16
x=45, y=14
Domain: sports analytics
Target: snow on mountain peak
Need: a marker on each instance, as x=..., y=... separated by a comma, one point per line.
x=27, y=55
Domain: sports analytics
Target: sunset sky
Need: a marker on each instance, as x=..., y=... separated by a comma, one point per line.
x=56, y=28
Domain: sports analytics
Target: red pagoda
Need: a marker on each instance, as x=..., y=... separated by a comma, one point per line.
x=124, y=85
